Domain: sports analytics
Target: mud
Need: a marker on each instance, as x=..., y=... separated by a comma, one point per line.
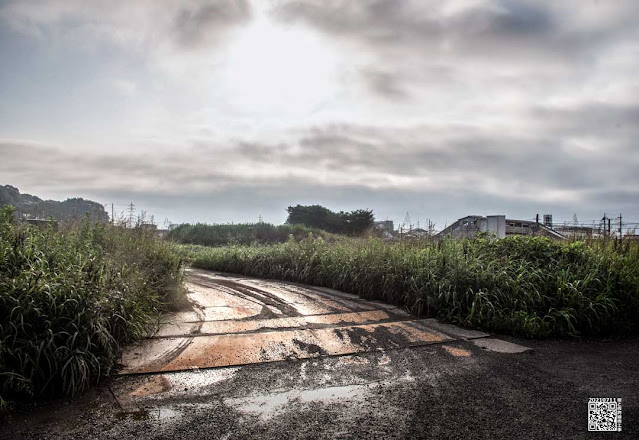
x=243, y=321
x=407, y=378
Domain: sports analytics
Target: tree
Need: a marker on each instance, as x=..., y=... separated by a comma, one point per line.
x=28, y=205
x=316, y=216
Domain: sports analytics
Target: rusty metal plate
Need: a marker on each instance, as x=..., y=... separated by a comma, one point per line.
x=239, y=349
x=240, y=320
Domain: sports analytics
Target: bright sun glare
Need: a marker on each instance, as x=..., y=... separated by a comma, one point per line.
x=278, y=69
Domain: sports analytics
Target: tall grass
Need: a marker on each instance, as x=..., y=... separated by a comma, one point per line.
x=247, y=233
x=70, y=298
x=528, y=286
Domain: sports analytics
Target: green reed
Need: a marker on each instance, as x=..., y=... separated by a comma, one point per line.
x=70, y=299
x=527, y=286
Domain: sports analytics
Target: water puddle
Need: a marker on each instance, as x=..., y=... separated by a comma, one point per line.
x=270, y=405
x=163, y=414
x=132, y=392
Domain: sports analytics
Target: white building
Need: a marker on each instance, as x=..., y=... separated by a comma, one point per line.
x=498, y=226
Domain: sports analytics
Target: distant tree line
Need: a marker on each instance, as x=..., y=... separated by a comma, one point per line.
x=249, y=233
x=27, y=205
x=315, y=216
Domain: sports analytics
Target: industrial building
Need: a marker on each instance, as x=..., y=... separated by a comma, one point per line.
x=500, y=227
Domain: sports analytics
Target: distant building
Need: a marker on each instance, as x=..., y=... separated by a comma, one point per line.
x=499, y=226
x=387, y=226
x=41, y=223
x=576, y=232
x=148, y=226
x=416, y=233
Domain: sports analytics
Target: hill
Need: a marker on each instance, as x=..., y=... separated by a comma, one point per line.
x=27, y=205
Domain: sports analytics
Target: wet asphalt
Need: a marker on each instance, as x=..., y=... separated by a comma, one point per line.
x=445, y=389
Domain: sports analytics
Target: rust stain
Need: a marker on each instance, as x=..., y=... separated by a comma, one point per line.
x=243, y=321
x=248, y=348
x=457, y=352
x=232, y=326
x=158, y=384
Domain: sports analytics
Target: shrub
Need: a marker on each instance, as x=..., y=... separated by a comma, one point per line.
x=70, y=298
x=249, y=233
x=528, y=286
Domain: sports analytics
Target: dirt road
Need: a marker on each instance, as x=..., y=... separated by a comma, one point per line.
x=265, y=359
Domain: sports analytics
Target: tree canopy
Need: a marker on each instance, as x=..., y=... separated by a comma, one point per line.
x=32, y=206
x=317, y=216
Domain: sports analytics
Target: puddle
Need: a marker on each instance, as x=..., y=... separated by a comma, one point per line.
x=169, y=385
x=164, y=414
x=270, y=405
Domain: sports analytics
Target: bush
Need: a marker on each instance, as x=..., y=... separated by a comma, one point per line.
x=528, y=286
x=352, y=223
x=249, y=233
x=69, y=299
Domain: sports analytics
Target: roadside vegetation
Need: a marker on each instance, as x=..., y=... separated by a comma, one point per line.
x=353, y=223
x=70, y=298
x=527, y=286
x=303, y=222
x=247, y=233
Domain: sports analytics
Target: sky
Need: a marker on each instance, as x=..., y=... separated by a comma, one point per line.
x=226, y=110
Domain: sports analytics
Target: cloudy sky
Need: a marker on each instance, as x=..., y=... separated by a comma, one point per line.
x=223, y=110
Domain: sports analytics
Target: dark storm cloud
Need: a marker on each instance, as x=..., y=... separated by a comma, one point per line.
x=535, y=41
x=401, y=22
x=194, y=24
x=416, y=24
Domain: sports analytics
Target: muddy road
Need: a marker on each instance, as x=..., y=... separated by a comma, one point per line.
x=265, y=359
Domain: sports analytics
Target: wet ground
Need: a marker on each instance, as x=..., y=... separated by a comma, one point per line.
x=264, y=359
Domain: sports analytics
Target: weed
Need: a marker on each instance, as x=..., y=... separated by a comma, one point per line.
x=528, y=286
x=70, y=298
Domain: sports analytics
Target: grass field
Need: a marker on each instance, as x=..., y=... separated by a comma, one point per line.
x=70, y=298
x=530, y=287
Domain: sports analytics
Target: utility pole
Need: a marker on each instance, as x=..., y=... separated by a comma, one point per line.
x=620, y=233
x=112, y=216
x=131, y=214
